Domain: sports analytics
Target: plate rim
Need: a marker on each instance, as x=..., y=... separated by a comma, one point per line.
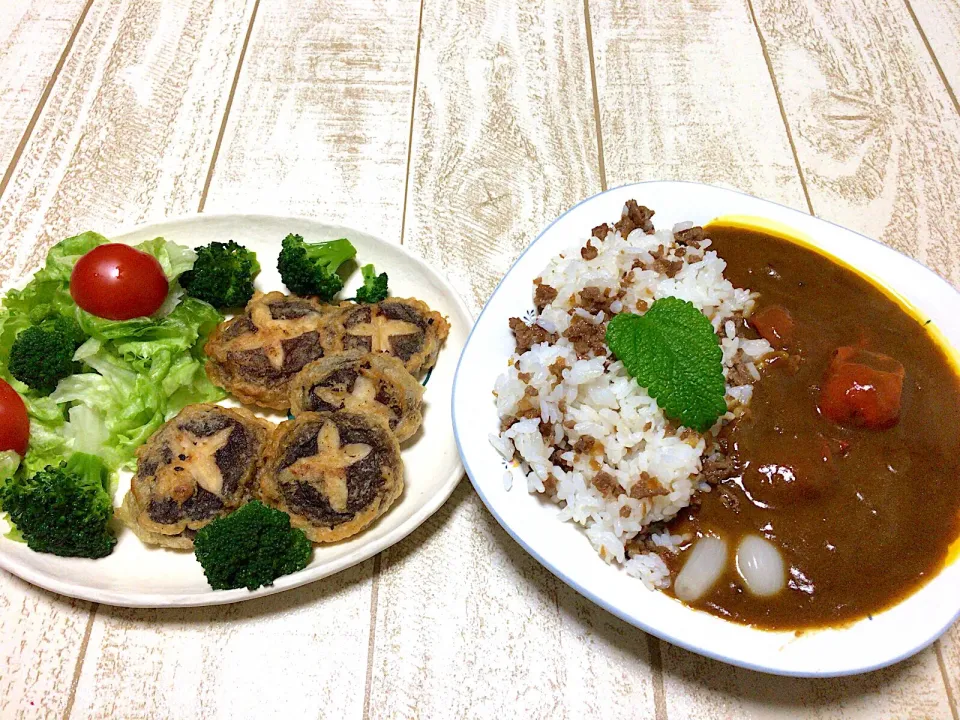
x=39, y=578
x=591, y=595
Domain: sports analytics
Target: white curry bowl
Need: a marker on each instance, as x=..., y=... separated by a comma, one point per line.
x=563, y=547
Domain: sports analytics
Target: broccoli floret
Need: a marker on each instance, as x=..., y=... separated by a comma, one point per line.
x=250, y=547
x=311, y=268
x=42, y=355
x=374, y=287
x=222, y=275
x=63, y=510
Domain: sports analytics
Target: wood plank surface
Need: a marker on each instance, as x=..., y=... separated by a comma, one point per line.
x=41, y=641
x=321, y=119
x=876, y=132
x=673, y=106
x=129, y=129
x=939, y=21
x=323, y=92
x=671, y=75
x=33, y=36
x=297, y=654
x=468, y=624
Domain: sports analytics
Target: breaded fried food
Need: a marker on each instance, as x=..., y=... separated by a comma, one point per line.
x=332, y=473
x=361, y=382
x=198, y=466
x=406, y=329
x=255, y=355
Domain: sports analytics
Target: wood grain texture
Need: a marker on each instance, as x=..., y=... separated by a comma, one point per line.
x=939, y=21
x=468, y=624
x=696, y=687
x=876, y=132
x=41, y=636
x=949, y=656
x=127, y=132
x=675, y=105
x=503, y=137
x=321, y=116
x=291, y=655
x=33, y=34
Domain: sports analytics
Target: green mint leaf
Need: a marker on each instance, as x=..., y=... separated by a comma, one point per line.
x=674, y=353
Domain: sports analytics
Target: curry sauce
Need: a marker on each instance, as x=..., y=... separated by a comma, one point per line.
x=863, y=513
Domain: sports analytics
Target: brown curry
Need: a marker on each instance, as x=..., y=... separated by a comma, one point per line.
x=861, y=496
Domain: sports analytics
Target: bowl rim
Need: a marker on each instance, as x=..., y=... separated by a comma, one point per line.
x=593, y=596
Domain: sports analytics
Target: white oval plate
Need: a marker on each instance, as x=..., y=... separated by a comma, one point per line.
x=564, y=549
x=136, y=575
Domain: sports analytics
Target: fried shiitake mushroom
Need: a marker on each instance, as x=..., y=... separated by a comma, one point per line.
x=196, y=467
x=334, y=473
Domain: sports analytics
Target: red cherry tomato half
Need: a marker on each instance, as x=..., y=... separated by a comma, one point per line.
x=118, y=282
x=14, y=422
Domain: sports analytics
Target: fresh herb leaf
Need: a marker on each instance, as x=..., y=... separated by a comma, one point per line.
x=674, y=353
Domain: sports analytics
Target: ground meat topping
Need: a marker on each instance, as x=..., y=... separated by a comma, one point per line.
x=550, y=484
x=600, y=232
x=634, y=216
x=664, y=265
x=524, y=377
x=557, y=369
x=718, y=468
x=588, y=251
x=529, y=335
x=584, y=444
x=543, y=295
x=556, y=459
x=606, y=483
x=594, y=300
x=689, y=236
x=647, y=486
x=739, y=374
x=586, y=337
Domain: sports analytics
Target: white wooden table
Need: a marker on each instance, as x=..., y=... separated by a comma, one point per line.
x=459, y=128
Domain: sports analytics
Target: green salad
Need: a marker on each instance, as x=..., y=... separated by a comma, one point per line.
x=98, y=386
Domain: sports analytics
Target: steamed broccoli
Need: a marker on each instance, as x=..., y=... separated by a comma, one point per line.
x=63, y=510
x=311, y=268
x=222, y=275
x=374, y=287
x=42, y=355
x=250, y=547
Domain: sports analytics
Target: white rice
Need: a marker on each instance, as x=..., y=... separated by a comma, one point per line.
x=605, y=403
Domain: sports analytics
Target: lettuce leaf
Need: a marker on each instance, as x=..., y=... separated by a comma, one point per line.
x=137, y=373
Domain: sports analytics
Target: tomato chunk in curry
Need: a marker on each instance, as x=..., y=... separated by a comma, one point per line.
x=848, y=458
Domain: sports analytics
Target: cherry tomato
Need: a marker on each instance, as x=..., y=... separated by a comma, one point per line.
x=862, y=388
x=14, y=423
x=118, y=282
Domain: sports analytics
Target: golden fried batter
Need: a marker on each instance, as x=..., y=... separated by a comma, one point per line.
x=361, y=382
x=333, y=473
x=406, y=329
x=198, y=466
x=255, y=355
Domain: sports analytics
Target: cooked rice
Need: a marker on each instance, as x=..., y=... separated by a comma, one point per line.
x=597, y=397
